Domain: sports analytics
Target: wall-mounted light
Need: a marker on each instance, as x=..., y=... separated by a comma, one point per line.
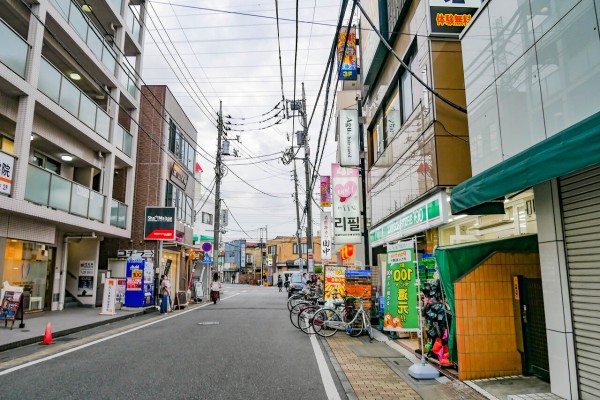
x=86, y=8
x=31, y=137
x=75, y=76
x=66, y=157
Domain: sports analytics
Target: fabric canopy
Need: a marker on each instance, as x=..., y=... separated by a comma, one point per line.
x=454, y=262
x=574, y=148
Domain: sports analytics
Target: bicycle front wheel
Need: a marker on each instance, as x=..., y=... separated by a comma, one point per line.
x=294, y=312
x=293, y=300
x=305, y=317
x=322, y=322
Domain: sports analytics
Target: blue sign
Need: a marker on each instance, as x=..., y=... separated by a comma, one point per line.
x=358, y=273
x=207, y=259
x=134, y=293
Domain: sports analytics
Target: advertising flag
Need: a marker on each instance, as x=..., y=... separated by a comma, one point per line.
x=325, y=191
x=348, y=70
x=346, y=205
x=400, y=308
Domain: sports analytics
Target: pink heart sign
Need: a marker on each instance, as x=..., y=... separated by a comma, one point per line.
x=344, y=192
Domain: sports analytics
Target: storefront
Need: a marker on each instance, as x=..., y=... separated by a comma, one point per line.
x=171, y=260
x=29, y=265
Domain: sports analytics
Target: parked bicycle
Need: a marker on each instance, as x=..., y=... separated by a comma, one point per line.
x=327, y=321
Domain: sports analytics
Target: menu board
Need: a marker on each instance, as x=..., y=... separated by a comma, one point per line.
x=10, y=306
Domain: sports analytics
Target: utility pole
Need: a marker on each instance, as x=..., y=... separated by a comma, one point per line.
x=298, y=231
x=309, y=242
x=363, y=176
x=218, y=176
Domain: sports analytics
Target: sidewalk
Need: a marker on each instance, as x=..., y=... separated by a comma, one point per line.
x=378, y=370
x=63, y=322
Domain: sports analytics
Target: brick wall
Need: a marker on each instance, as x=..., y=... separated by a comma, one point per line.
x=485, y=317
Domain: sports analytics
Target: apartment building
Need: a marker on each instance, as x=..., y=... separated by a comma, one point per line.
x=69, y=105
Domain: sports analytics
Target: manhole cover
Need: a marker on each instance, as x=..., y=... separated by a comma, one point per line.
x=209, y=323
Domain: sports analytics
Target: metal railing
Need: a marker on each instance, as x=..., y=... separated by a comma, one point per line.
x=74, y=15
x=14, y=49
x=51, y=190
x=118, y=214
x=66, y=94
x=123, y=140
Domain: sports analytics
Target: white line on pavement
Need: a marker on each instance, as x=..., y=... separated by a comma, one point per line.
x=330, y=389
x=83, y=346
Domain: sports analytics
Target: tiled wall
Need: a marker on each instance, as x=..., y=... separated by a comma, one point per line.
x=485, y=318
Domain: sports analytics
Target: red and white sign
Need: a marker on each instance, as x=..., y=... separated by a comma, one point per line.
x=109, y=297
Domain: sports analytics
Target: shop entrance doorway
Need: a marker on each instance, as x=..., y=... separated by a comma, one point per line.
x=535, y=356
x=49, y=285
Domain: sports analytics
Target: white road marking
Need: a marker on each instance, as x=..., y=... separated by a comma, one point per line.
x=330, y=389
x=83, y=346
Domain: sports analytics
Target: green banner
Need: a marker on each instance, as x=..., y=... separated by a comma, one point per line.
x=400, y=310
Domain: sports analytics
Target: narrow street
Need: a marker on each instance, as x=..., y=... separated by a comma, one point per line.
x=247, y=349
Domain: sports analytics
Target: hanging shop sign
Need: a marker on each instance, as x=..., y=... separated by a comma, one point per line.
x=109, y=297
x=425, y=215
x=135, y=253
x=160, y=223
x=178, y=176
x=400, y=308
x=325, y=191
x=335, y=281
x=326, y=239
x=6, y=172
x=450, y=17
x=348, y=69
x=349, y=146
x=346, y=205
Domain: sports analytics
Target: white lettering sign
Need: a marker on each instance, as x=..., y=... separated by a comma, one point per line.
x=349, y=146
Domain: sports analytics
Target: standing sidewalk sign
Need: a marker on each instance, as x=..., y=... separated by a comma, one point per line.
x=400, y=311
x=159, y=223
x=335, y=281
x=11, y=307
x=109, y=297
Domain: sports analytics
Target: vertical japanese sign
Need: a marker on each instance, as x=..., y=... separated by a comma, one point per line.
x=348, y=69
x=109, y=297
x=349, y=146
x=325, y=191
x=6, y=171
x=326, y=235
x=400, y=310
x=346, y=205
x=335, y=281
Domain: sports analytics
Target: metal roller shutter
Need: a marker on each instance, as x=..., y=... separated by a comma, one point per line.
x=580, y=196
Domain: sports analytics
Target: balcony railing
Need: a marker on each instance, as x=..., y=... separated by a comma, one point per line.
x=123, y=140
x=14, y=49
x=60, y=89
x=133, y=24
x=54, y=191
x=127, y=79
x=74, y=15
x=118, y=214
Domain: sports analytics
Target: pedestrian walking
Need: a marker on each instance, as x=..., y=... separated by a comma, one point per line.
x=215, y=288
x=279, y=283
x=264, y=282
x=287, y=283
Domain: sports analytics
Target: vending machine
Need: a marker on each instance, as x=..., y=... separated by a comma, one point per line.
x=139, y=283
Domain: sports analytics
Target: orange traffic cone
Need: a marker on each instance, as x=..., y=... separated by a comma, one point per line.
x=48, y=335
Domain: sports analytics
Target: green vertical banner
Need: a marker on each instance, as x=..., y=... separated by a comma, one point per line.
x=400, y=310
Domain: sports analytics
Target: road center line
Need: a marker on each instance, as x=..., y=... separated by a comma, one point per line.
x=83, y=346
x=330, y=389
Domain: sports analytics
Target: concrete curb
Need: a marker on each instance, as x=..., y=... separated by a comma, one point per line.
x=65, y=332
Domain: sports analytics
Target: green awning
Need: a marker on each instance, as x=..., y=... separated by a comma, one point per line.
x=574, y=148
x=453, y=262
x=207, y=238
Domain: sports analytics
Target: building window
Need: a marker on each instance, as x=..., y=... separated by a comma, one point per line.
x=304, y=248
x=45, y=162
x=407, y=95
x=183, y=204
x=181, y=148
x=392, y=116
x=207, y=218
x=272, y=250
x=6, y=145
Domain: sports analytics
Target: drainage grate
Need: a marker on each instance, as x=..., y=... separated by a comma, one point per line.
x=209, y=323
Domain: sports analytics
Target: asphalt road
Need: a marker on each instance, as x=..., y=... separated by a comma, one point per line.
x=252, y=353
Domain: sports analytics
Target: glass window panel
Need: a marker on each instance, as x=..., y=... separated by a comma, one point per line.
x=80, y=197
x=477, y=56
x=569, y=64
x=78, y=22
x=13, y=52
x=118, y=137
x=38, y=185
x=60, y=193
x=512, y=32
x=122, y=216
x=114, y=212
x=87, y=111
x=124, y=77
x=484, y=131
x=407, y=96
x=546, y=13
x=117, y=5
x=127, y=143
x=53, y=166
x=96, y=206
x=109, y=58
x=131, y=88
x=95, y=43
x=63, y=7
x=50, y=85
x=381, y=139
x=69, y=97
x=392, y=115
x=102, y=123
x=520, y=101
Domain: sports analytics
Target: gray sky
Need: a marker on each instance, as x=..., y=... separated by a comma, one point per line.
x=234, y=58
